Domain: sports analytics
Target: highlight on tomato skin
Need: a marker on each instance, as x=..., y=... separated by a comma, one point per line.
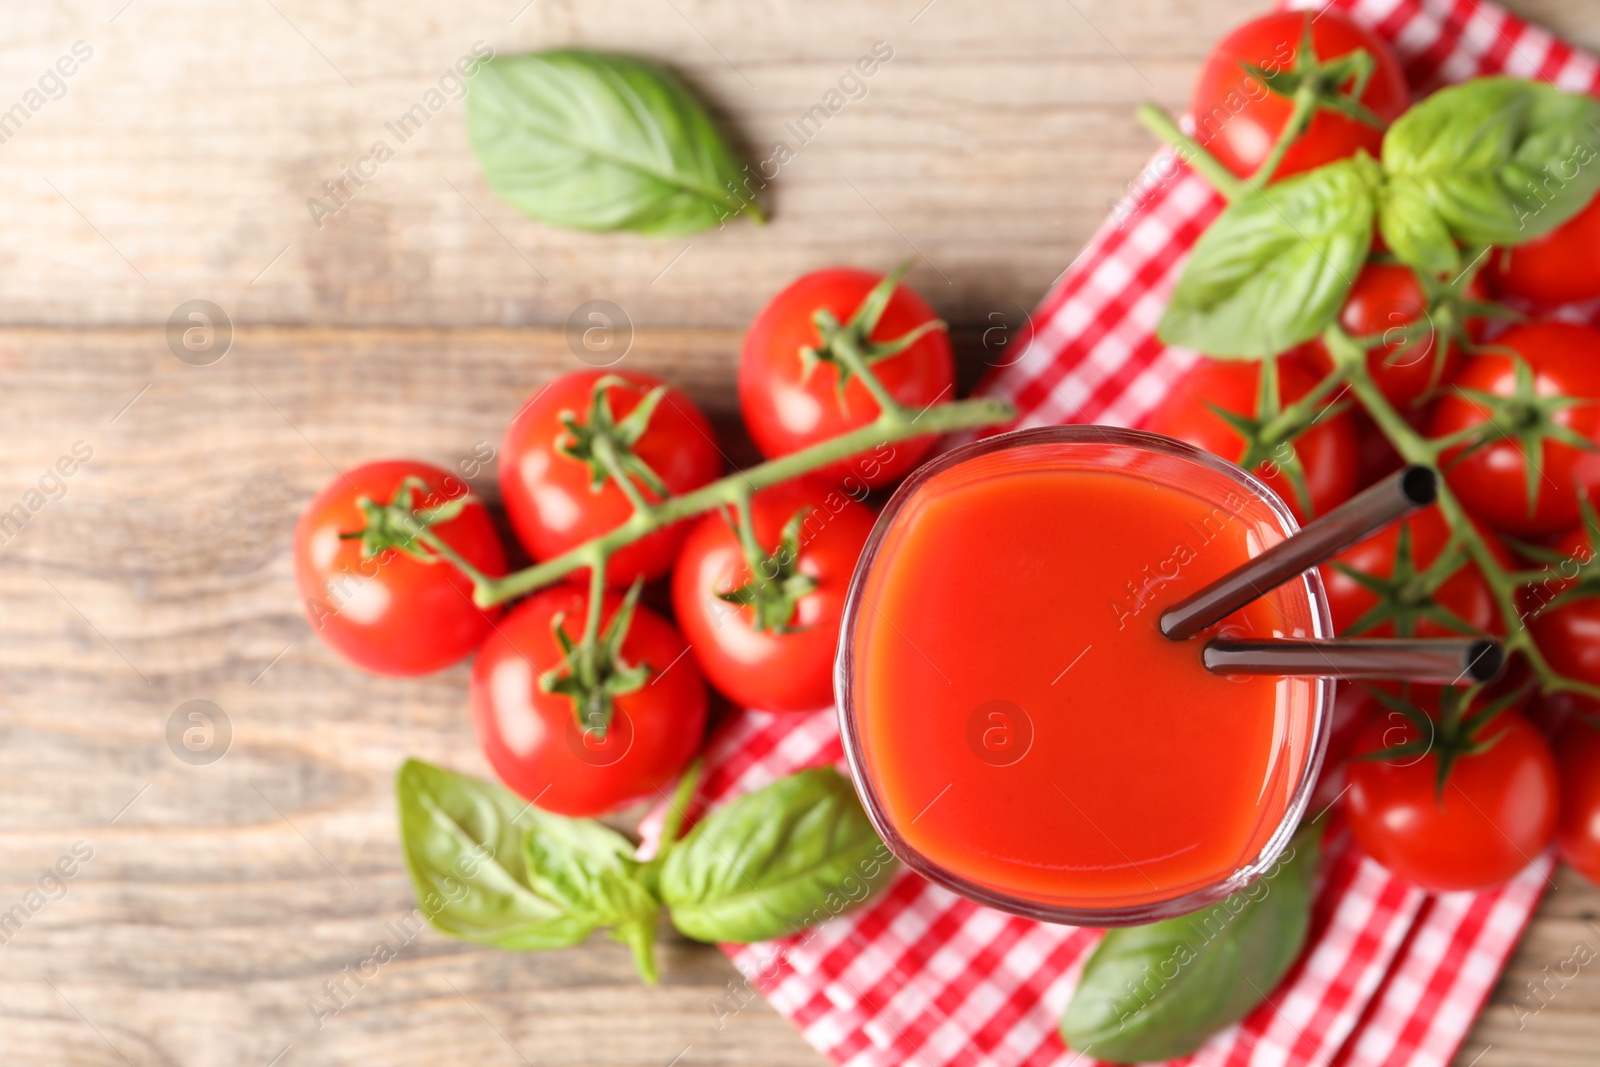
x=787, y=666
x=1238, y=119
x=789, y=403
x=392, y=613
x=552, y=498
x=1496, y=813
x=533, y=738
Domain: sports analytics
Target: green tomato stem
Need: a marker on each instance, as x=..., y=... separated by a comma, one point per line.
x=1305, y=108
x=893, y=424
x=1208, y=166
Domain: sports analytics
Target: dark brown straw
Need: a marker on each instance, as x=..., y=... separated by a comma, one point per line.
x=1453, y=662
x=1357, y=518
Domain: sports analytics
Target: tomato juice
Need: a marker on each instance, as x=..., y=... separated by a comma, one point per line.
x=1019, y=728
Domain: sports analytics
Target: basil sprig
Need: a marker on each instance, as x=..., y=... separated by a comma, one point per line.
x=1492, y=162
x=1274, y=268
x=1157, y=992
x=491, y=868
x=775, y=861
x=599, y=141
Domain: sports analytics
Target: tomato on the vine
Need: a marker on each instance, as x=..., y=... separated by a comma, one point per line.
x=392, y=610
x=1413, y=361
x=765, y=636
x=1238, y=116
x=790, y=375
x=1545, y=405
x=1327, y=454
x=1559, y=268
x=1494, y=814
x=564, y=451
x=534, y=737
x=1577, y=750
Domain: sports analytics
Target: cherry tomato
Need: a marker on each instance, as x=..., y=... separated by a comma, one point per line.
x=552, y=498
x=1238, y=119
x=1559, y=268
x=1491, y=480
x=789, y=404
x=787, y=666
x=1420, y=611
x=534, y=740
x=1496, y=814
x=1577, y=751
x=1385, y=300
x=1328, y=452
x=1569, y=636
x=393, y=613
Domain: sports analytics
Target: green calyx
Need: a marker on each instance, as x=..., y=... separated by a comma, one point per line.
x=1269, y=435
x=592, y=672
x=1457, y=731
x=1407, y=595
x=840, y=341
x=1584, y=581
x=1529, y=419
x=776, y=585
x=1324, y=81
x=401, y=525
x=605, y=443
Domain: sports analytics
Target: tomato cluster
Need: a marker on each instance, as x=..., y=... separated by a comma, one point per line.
x=1452, y=789
x=584, y=710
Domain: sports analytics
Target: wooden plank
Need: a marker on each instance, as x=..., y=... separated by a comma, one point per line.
x=222, y=897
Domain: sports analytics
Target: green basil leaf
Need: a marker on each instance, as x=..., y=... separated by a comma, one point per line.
x=775, y=861
x=1494, y=161
x=1274, y=268
x=598, y=141
x=1152, y=993
x=463, y=841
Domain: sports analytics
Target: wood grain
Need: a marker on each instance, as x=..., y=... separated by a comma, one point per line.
x=176, y=165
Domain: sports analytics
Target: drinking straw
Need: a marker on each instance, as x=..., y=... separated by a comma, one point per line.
x=1466, y=661
x=1359, y=517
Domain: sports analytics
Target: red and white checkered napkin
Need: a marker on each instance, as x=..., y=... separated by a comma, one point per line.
x=1392, y=976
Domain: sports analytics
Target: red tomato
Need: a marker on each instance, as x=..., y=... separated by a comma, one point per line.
x=1577, y=751
x=1328, y=452
x=770, y=669
x=1569, y=637
x=1464, y=595
x=1385, y=300
x=1238, y=119
x=1491, y=480
x=1559, y=268
x=788, y=406
x=1496, y=814
x=392, y=613
x=551, y=497
x=533, y=739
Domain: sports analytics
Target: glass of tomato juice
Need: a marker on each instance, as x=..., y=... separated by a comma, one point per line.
x=1019, y=729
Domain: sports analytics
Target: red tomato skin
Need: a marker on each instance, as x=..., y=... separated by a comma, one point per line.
x=1464, y=593
x=1569, y=637
x=1386, y=298
x=1497, y=813
x=547, y=494
x=767, y=670
x=1562, y=267
x=531, y=738
x=786, y=409
x=1577, y=750
x=1238, y=119
x=393, y=614
x=1329, y=451
x=1490, y=480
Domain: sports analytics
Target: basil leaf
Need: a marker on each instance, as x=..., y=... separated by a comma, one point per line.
x=1151, y=993
x=463, y=841
x=1274, y=268
x=1494, y=161
x=589, y=870
x=775, y=861
x=597, y=141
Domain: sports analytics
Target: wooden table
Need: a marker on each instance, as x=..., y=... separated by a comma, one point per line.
x=208, y=903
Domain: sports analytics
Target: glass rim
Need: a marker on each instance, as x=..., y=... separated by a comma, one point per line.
x=1193, y=900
